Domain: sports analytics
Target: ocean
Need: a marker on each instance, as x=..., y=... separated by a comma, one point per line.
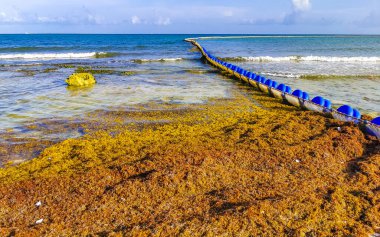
x=140, y=69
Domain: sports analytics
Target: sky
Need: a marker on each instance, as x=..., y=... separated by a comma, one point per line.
x=195, y=16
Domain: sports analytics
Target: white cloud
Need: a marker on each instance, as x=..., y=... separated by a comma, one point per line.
x=135, y=20
x=301, y=5
x=46, y=19
x=93, y=19
x=10, y=17
x=228, y=13
x=88, y=19
x=163, y=21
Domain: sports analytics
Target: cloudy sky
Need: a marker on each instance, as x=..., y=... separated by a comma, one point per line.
x=195, y=16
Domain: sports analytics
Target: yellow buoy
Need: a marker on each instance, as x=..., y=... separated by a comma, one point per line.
x=81, y=79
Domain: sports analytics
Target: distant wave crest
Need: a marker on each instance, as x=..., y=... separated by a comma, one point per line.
x=320, y=76
x=284, y=75
x=305, y=59
x=32, y=56
x=157, y=60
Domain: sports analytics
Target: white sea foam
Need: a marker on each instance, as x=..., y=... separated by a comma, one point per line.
x=309, y=58
x=285, y=75
x=51, y=55
x=157, y=60
x=320, y=76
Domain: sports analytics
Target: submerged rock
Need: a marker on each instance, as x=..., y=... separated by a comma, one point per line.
x=81, y=79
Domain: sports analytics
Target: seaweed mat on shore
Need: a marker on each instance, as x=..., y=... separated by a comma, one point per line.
x=249, y=166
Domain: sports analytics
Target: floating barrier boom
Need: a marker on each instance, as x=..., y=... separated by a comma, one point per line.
x=297, y=98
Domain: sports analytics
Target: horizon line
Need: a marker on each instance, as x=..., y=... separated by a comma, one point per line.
x=211, y=34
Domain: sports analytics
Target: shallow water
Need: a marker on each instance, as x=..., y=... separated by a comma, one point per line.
x=165, y=69
x=46, y=95
x=345, y=69
x=34, y=68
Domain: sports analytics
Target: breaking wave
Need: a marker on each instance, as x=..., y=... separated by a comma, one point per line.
x=157, y=60
x=321, y=76
x=305, y=59
x=32, y=56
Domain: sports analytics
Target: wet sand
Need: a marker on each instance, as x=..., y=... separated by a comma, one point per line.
x=249, y=165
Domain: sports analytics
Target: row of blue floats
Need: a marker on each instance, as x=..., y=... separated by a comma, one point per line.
x=297, y=98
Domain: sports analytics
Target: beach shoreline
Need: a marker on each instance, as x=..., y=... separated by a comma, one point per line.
x=245, y=165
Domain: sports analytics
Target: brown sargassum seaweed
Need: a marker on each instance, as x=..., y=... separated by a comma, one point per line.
x=249, y=166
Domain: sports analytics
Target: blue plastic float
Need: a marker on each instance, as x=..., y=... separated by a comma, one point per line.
x=298, y=93
x=281, y=87
x=278, y=91
x=356, y=114
x=319, y=100
x=376, y=121
x=373, y=127
x=305, y=95
x=268, y=82
x=263, y=85
x=274, y=84
x=327, y=104
x=346, y=109
x=316, y=104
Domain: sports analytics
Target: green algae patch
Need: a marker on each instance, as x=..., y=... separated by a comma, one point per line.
x=106, y=55
x=247, y=166
x=234, y=59
x=65, y=65
x=128, y=73
x=80, y=79
x=48, y=70
x=27, y=72
x=200, y=71
x=93, y=71
x=83, y=69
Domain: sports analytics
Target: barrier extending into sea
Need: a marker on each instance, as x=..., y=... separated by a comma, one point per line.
x=296, y=98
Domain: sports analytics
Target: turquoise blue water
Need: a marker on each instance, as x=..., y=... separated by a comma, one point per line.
x=167, y=70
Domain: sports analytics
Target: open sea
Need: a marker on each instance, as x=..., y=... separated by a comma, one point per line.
x=138, y=69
